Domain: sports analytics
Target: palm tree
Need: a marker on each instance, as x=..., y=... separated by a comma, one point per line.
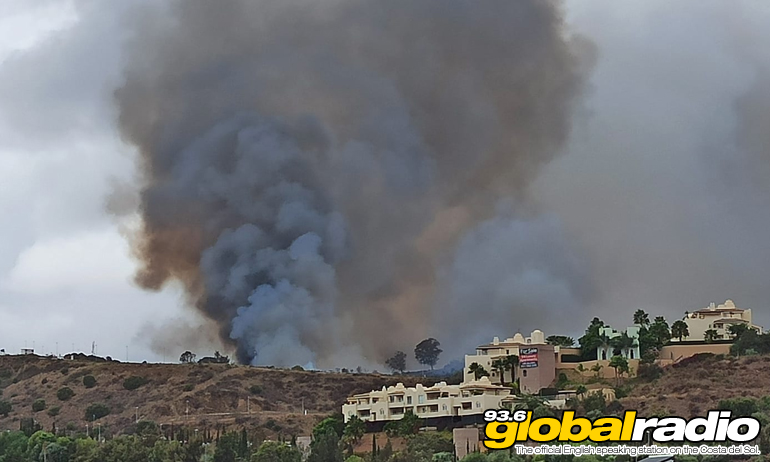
x=710, y=336
x=500, y=366
x=512, y=361
x=679, y=330
x=736, y=330
x=597, y=368
x=477, y=370
x=641, y=318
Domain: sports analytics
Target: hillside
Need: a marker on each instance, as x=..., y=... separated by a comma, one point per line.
x=215, y=395
x=697, y=384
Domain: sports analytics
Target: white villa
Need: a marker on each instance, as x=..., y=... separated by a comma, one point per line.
x=718, y=318
x=606, y=352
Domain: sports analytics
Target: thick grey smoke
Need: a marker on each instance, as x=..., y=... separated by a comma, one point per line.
x=310, y=167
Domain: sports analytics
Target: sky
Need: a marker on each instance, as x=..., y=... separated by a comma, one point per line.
x=661, y=190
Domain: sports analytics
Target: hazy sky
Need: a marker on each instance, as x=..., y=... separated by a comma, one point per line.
x=661, y=191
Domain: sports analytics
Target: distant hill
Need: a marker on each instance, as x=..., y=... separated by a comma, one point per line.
x=203, y=395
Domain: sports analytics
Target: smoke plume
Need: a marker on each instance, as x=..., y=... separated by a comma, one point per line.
x=320, y=174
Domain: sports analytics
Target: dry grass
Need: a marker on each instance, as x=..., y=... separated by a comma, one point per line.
x=697, y=384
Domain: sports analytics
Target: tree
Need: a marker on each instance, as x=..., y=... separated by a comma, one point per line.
x=397, y=362
x=335, y=423
x=89, y=381
x=560, y=340
x=710, y=335
x=187, y=357
x=274, y=451
x=592, y=339
x=641, y=318
x=64, y=393
x=660, y=331
x=38, y=405
x=737, y=330
x=620, y=343
x=427, y=352
x=679, y=330
x=96, y=411
x=620, y=364
x=477, y=370
x=134, y=382
x=596, y=369
x=500, y=366
x=227, y=448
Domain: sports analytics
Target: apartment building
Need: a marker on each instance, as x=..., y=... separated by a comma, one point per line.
x=537, y=361
x=718, y=318
x=438, y=401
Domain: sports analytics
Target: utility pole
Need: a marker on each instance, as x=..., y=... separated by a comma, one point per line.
x=187, y=411
x=137, y=414
x=248, y=405
x=87, y=434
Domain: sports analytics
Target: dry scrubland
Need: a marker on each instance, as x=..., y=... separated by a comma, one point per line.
x=217, y=394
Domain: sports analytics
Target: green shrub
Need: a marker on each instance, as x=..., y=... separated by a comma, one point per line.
x=188, y=387
x=594, y=401
x=38, y=405
x=65, y=393
x=96, y=411
x=255, y=390
x=54, y=411
x=649, y=371
x=89, y=381
x=298, y=368
x=272, y=425
x=134, y=382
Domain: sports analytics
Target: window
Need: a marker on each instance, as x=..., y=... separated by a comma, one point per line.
x=478, y=404
x=524, y=372
x=408, y=400
x=382, y=411
x=632, y=354
x=443, y=407
x=420, y=399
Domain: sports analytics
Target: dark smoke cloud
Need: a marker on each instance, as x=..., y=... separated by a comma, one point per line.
x=309, y=168
x=664, y=186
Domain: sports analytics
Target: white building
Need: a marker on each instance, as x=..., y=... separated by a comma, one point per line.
x=440, y=400
x=718, y=318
